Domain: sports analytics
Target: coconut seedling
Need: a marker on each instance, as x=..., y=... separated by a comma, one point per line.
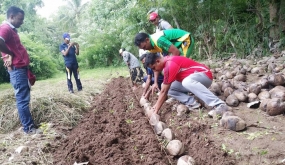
x=264, y=95
x=275, y=107
x=167, y=134
x=247, y=68
x=257, y=70
x=241, y=95
x=226, y=84
x=232, y=100
x=240, y=77
x=216, y=89
x=278, y=92
x=276, y=79
x=254, y=88
x=186, y=160
x=159, y=127
x=278, y=68
x=143, y=101
x=252, y=97
x=233, y=123
x=271, y=67
x=229, y=74
x=154, y=119
x=147, y=109
x=182, y=109
x=228, y=91
x=263, y=104
x=263, y=82
x=175, y=147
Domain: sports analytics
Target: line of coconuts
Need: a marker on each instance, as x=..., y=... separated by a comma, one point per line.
x=258, y=83
x=174, y=147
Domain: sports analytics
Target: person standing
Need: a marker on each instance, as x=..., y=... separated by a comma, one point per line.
x=159, y=23
x=16, y=59
x=134, y=66
x=69, y=50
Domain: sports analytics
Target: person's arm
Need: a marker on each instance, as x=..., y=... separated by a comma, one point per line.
x=167, y=45
x=77, y=48
x=155, y=84
x=4, y=48
x=65, y=52
x=9, y=54
x=174, y=51
x=161, y=98
x=147, y=84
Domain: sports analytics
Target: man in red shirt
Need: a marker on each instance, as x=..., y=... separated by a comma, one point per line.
x=16, y=59
x=194, y=77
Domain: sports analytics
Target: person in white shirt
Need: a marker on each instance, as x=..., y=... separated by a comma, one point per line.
x=160, y=23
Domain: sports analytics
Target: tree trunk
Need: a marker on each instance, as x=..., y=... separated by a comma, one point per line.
x=273, y=11
x=282, y=16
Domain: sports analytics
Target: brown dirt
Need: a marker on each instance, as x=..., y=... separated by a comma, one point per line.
x=116, y=131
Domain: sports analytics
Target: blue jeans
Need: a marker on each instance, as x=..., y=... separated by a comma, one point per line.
x=73, y=68
x=19, y=80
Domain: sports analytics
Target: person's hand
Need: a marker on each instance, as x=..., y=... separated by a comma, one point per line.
x=154, y=88
x=153, y=111
x=72, y=43
x=7, y=60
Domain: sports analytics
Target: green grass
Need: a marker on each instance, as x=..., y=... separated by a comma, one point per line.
x=51, y=101
x=51, y=104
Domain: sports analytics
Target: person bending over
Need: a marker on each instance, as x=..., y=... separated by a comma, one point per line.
x=194, y=77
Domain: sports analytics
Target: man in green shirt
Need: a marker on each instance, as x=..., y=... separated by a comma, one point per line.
x=173, y=41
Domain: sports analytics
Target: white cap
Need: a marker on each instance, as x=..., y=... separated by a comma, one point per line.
x=121, y=51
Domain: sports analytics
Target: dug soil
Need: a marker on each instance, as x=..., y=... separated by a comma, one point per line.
x=116, y=131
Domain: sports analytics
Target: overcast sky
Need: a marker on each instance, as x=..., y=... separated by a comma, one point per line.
x=51, y=6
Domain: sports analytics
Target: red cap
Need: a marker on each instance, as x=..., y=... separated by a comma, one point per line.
x=153, y=16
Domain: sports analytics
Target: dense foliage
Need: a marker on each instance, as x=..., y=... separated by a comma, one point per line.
x=222, y=28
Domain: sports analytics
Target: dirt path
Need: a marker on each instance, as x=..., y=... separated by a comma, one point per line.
x=117, y=132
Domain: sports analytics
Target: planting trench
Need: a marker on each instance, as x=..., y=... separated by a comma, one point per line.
x=116, y=131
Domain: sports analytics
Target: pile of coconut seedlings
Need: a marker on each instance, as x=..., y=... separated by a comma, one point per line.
x=260, y=84
x=174, y=146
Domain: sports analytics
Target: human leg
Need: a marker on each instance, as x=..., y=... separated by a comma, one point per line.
x=136, y=75
x=19, y=81
x=198, y=83
x=68, y=75
x=75, y=70
x=180, y=93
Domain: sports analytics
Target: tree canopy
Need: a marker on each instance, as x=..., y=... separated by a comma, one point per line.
x=221, y=28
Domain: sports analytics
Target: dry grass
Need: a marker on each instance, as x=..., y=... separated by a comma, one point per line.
x=51, y=104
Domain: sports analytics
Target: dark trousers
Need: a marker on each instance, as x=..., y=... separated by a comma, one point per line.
x=159, y=81
x=73, y=68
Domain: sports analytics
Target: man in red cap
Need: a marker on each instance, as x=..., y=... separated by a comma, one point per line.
x=160, y=24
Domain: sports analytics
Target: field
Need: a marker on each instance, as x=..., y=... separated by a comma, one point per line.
x=104, y=124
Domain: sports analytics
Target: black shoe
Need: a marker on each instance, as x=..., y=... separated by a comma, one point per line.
x=79, y=90
x=71, y=91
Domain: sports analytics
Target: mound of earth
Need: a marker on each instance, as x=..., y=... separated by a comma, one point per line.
x=116, y=131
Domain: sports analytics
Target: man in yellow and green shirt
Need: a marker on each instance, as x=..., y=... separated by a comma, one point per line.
x=173, y=41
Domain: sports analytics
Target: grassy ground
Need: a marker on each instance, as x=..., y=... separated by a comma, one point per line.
x=51, y=103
